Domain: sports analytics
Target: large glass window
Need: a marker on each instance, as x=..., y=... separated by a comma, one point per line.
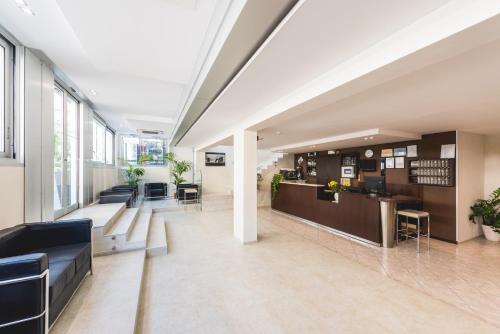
x=144, y=151
x=65, y=152
x=110, y=138
x=99, y=141
x=6, y=95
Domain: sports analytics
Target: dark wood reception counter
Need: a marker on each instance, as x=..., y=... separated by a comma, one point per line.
x=356, y=214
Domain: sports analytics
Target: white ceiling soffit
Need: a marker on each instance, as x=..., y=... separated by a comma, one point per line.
x=353, y=139
x=256, y=20
x=140, y=57
x=302, y=65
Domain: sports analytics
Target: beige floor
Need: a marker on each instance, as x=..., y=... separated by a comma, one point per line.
x=286, y=283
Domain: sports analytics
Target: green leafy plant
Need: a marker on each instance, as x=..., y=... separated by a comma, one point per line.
x=275, y=185
x=487, y=211
x=132, y=174
x=145, y=157
x=177, y=167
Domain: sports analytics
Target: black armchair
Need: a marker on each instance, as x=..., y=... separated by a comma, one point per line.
x=117, y=196
x=155, y=190
x=126, y=187
x=41, y=265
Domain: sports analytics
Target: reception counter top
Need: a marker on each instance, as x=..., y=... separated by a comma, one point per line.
x=302, y=184
x=356, y=214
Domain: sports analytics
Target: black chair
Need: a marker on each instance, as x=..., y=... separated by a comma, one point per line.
x=186, y=196
x=31, y=254
x=116, y=196
x=155, y=190
x=125, y=187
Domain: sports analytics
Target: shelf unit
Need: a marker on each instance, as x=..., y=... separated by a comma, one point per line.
x=432, y=172
x=311, y=162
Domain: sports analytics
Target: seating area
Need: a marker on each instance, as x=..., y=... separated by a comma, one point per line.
x=120, y=194
x=31, y=254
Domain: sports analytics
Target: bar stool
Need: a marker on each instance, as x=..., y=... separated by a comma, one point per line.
x=418, y=215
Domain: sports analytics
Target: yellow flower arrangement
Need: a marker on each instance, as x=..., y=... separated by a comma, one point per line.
x=335, y=187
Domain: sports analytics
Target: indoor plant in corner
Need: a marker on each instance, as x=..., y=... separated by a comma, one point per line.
x=335, y=188
x=487, y=213
x=177, y=168
x=132, y=174
x=275, y=185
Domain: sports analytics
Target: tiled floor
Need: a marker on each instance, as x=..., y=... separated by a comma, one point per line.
x=288, y=283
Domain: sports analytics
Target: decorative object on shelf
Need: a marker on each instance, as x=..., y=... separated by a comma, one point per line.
x=177, y=168
x=346, y=182
x=132, y=174
x=275, y=185
x=386, y=152
x=448, y=151
x=400, y=152
x=300, y=160
x=215, y=159
x=436, y=172
x=348, y=172
x=487, y=213
x=400, y=162
x=389, y=162
x=368, y=153
x=411, y=151
x=311, y=164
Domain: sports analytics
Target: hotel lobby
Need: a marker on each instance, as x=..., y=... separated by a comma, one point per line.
x=248, y=166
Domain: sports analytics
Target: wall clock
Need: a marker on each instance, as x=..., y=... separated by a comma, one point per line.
x=368, y=153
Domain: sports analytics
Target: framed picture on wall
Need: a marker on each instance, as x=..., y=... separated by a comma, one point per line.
x=400, y=152
x=389, y=163
x=387, y=152
x=400, y=162
x=215, y=159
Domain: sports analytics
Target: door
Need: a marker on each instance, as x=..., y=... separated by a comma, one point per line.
x=65, y=152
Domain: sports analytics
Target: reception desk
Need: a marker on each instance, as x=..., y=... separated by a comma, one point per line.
x=355, y=214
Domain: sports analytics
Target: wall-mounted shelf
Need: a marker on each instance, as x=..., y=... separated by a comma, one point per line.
x=432, y=172
x=311, y=163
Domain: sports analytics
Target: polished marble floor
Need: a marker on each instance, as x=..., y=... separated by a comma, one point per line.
x=298, y=279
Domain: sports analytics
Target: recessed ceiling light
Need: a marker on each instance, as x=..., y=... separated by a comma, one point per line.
x=278, y=132
x=371, y=137
x=93, y=92
x=313, y=146
x=366, y=138
x=22, y=5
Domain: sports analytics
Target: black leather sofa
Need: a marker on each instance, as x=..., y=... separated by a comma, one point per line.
x=126, y=187
x=155, y=190
x=28, y=252
x=183, y=196
x=117, y=196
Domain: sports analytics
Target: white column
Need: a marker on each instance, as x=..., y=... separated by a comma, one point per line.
x=245, y=186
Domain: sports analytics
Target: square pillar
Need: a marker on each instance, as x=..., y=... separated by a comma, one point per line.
x=245, y=186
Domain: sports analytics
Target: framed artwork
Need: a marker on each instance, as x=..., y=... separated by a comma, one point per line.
x=400, y=162
x=389, y=163
x=348, y=172
x=215, y=159
x=400, y=152
x=386, y=153
x=411, y=151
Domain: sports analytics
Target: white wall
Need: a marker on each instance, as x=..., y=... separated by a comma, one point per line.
x=491, y=164
x=11, y=195
x=104, y=177
x=216, y=180
x=469, y=181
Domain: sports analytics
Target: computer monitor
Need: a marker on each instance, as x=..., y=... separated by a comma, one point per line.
x=375, y=184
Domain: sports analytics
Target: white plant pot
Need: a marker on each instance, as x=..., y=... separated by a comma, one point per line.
x=489, y=234
x=336, y=197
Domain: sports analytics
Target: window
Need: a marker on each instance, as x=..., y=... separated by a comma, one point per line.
x=144, y=151
x=6, y=96
x=110, y=139
x=65, y=152
x=103, y=143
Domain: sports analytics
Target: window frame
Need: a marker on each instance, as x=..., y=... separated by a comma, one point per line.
x=97, y=120
x=140, y=141
x=7, y=113
x=106, y=131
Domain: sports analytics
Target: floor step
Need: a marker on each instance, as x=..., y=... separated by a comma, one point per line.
x=139, y=235
x=107, y=301
x=124, y=224
x=157, y=237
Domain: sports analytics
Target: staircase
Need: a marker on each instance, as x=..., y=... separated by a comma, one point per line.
x=120, y=229
x=269, y=160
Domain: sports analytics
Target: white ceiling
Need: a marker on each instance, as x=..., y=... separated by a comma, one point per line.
x=141, y=57
x=316, y=37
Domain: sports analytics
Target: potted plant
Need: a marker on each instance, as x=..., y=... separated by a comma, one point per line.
x=487, y=213
x=132, y=174
x=275, y=185
x=335, y=188
x=177, y=168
